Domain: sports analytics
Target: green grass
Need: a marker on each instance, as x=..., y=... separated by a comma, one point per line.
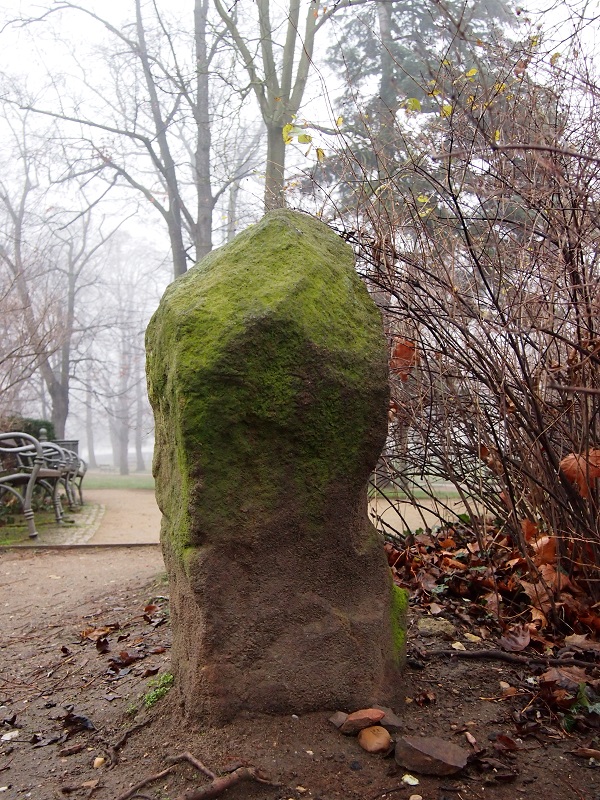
x=161, y=686
x=16, y=531
x=104, y=480
x=418, y=494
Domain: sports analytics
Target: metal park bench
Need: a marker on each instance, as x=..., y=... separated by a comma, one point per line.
x=26, y=462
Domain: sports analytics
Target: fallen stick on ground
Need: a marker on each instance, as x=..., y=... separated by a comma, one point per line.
x=134, y=789
x=512, y=658
x=218, y=785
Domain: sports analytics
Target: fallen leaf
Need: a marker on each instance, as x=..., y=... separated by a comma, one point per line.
x=458, y=646
x=581, y=642
x=566, y=677
x=505, y=743
x=425, y=697
x=529, y=528
x=544, y=550
x=516, y=639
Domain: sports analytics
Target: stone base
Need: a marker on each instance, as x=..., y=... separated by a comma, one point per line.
x=255, y=632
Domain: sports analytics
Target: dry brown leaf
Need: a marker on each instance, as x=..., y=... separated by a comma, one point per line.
x=566, y=677
x=529, y=528
x=515, y=639
x=544, y=550
x=582, y=469
x=538, y=619
x=404, y=358
x=582, y=642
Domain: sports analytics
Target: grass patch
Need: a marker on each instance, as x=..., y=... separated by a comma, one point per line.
x=14, y=529
x=159, y=688
x=103, y=480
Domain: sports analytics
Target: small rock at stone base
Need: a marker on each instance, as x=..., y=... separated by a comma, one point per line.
x=430, y=755
x=436, y=627
x=338, y=719
x=363, y=718
x=390, y=721
x=374, y=739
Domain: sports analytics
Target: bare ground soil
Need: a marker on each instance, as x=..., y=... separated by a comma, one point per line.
x=67, y=701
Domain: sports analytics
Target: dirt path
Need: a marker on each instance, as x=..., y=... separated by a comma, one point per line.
x=130, y=516
x=54, y=604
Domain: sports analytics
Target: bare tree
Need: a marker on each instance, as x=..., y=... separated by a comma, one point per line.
x=278, y=70
x=154, y=118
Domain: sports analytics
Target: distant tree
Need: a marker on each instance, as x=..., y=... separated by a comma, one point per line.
x=154, y=117
x=278, y=67
x=47, y=260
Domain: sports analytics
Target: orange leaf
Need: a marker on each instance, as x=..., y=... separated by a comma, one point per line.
x=581, y=469
x=529, y=528
x=544, y=550
x=404, y=358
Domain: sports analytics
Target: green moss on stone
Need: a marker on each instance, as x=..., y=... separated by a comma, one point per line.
x=399, y=611
x=267, y=372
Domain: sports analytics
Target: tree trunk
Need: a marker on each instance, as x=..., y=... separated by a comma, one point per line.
x=234, y=191
x=140, y=466
x=89, y=429
x=275, y=174
x=203, y=136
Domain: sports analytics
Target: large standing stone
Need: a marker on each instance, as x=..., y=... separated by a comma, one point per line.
x=267, y=372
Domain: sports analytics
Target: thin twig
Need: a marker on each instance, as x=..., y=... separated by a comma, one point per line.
x=134, y=789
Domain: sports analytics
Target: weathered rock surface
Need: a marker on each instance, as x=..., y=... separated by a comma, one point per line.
x=267, y=373
x=363, y=718
x=430, y=755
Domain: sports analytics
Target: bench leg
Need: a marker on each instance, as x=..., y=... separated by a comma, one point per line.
x=29, y=516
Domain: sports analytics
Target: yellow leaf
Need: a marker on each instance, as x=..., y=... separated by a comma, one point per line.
x=413, y=104
x=446, y=110
x=304, y=138
x=320, y=155
x=287, y=129
x=496, y=135
x=554, y=58
x=471, y=72
x=422, y=198
x=339, y=121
